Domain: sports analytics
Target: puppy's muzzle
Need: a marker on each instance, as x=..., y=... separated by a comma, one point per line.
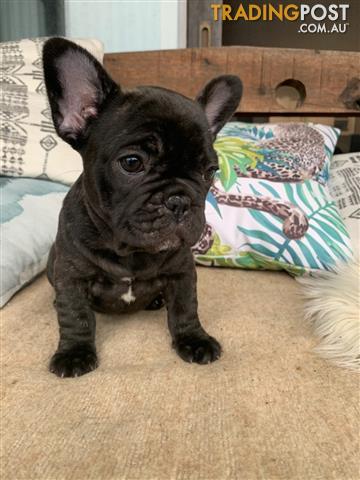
x=178, y=205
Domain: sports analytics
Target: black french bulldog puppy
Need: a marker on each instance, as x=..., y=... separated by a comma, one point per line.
x=128, y=223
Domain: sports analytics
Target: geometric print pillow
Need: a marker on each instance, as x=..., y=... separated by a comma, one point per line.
x=270, y=206
x=344, y=187
x=29, y=146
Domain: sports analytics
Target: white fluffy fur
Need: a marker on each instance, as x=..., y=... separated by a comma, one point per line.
x=332, y=306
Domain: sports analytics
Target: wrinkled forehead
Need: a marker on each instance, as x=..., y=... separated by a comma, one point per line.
x=172, y=127
x=170, y=116
x=171, y=103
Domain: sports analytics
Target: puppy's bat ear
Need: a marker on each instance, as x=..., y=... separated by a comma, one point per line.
x=77, y=87
x=219, y=99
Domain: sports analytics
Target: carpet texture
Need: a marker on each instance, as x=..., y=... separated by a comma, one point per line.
x=268, y=409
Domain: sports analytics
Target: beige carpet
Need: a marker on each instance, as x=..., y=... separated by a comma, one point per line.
x=269, y=409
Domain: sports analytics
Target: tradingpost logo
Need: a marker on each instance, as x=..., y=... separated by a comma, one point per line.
x=314, y=18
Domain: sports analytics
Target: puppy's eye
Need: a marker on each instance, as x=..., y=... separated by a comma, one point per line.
x=132, y=164
x=210, y=173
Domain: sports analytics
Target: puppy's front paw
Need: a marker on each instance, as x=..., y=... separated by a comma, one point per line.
x=198, y=348
x=73, y=362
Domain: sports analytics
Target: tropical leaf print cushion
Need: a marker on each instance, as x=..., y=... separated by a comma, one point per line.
x=269, y=206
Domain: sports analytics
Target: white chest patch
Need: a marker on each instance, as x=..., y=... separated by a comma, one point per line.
x=128, y=297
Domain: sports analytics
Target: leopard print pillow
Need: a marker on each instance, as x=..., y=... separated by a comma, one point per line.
x=270, y=206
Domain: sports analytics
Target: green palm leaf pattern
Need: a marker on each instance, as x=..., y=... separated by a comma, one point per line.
x=233, y=151
x=325, y=243
x=265, y=246
x=249, y=261
x=218, y=248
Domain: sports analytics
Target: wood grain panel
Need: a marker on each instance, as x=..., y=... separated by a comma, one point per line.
x=325, y=75
x=199, y=11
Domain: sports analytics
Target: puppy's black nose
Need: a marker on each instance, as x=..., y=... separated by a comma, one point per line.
x=178, y=205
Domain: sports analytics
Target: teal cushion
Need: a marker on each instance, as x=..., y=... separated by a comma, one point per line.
x=28, y=221
x=270, y=206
